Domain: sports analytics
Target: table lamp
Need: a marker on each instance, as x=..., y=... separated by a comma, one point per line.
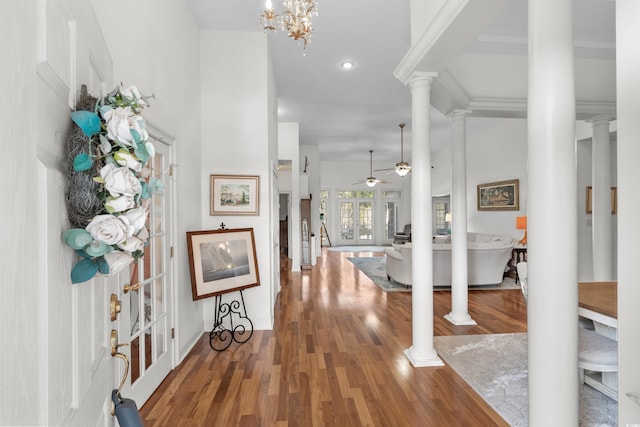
x=521, y=224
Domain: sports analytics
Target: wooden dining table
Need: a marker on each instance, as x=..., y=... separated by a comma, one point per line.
x=598, y=301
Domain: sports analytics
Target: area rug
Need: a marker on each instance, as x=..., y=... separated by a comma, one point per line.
x=376, y=269
x=357, y=248
x=495, y=366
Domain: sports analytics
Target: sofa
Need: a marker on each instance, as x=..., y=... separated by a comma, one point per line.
x=487, y=258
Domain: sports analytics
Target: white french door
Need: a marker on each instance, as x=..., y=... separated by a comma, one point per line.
x=356, y=222
x=145, y=322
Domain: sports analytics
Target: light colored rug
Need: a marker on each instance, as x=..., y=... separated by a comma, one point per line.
x=376, y=269
x=357, y=248
x=495, y=366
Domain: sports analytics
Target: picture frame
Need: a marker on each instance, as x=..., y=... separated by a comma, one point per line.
x=614, y=200
x=222, y=261
x=499, y=196
x=234, y=195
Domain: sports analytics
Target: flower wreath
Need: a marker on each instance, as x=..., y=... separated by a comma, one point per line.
x=109, y=182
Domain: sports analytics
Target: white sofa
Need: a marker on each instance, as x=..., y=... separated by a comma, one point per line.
x=487, y=258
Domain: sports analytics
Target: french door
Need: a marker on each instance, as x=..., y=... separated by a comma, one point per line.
x=146, y=323
x=356, y=221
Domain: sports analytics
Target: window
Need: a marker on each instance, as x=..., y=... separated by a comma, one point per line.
x=391, y=204
x=440, y=209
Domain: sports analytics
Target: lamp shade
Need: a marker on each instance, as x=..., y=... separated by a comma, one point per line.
x=521, y=222
x=447, y=217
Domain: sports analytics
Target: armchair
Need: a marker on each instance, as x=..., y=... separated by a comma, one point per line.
x=403, y=236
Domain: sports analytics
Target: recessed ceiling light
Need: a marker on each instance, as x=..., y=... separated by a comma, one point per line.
x=347, y=65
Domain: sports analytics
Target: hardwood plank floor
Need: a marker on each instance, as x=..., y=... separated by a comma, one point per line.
x=334, y=358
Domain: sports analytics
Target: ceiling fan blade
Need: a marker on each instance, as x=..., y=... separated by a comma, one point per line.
x=387, y=169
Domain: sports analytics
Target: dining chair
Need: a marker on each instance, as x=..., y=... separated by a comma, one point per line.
x=521, y=268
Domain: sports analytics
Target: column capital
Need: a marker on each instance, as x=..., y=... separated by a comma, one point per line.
x=458, y=114
x=422, y=78
x=600, y=119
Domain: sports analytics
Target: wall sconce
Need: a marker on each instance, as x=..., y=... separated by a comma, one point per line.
x=521, y=224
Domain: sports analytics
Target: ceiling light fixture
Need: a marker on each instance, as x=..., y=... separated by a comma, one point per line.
x=402, y=167
x=295, y=19
x=347, y=65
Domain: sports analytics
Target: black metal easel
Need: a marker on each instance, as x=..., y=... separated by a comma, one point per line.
x=221, y=336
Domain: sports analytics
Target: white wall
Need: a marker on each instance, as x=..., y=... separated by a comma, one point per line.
x=236, y=139
x=495, y=152
x=166, y=64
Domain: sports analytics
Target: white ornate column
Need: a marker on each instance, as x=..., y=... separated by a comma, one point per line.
x=459, y=270
x=602, y=222
x=552, y=307
x=421, y=353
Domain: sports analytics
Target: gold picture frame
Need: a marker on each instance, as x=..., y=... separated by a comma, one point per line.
x=614, y=200
x=234, y=195
x=499, y=196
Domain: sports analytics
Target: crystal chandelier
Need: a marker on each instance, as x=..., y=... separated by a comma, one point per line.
x=295, y=19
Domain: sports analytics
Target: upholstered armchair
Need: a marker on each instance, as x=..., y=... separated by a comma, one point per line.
x=404, y=236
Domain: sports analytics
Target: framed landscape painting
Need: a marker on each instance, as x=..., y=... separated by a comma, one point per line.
x=235, y=195
x=499, y=196
x=222, y=261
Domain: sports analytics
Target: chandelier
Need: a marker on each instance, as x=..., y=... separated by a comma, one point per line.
x=295, y=19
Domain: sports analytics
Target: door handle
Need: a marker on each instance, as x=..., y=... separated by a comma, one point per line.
x=114, y=307
x=127, y=287
x=114, y=343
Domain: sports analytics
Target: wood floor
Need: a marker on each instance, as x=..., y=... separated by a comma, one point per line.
x=334, y=358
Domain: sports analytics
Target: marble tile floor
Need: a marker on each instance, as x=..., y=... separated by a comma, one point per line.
x=504, y=385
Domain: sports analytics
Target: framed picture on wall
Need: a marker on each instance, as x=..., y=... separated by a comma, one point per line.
x=499, y=196
x=235, y=195
x=222, y=261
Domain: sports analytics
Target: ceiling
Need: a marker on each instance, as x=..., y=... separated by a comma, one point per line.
x=347, y=113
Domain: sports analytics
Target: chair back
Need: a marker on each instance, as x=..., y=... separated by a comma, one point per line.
x=521, y=267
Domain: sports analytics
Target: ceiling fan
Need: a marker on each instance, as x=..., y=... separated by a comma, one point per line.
x=371, y=181
x=402, y=168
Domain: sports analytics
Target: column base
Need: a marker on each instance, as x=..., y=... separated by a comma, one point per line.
x=419, y=360
x=468, y=321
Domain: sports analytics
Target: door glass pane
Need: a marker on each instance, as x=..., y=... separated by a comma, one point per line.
x=147, y=349
x=158, y=297
x=135, y=359
x=134, y=308
x=365, y=218
x=158, y=253
x=159, y=333
x=146, y=260
x=134, y=299
x=146, y=318
x=346, y=220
